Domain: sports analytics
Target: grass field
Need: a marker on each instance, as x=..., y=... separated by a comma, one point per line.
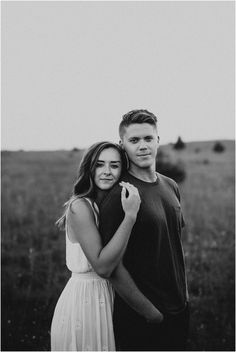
x=34, y=187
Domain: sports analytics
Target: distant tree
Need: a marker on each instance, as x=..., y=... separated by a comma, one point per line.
x=218, y=147
x=169, y=168
x=179, y=144
x=75, y=150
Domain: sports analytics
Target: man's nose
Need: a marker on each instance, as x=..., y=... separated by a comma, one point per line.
x=142, y=145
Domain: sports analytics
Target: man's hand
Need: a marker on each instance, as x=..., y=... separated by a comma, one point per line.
x=156, y=318
x=127, y=289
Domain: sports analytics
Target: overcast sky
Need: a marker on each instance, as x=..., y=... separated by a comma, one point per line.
x=70, y=70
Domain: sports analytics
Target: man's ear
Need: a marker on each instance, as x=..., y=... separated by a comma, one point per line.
x=158, y=139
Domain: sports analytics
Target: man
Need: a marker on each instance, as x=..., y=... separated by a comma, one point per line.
x=152, y=277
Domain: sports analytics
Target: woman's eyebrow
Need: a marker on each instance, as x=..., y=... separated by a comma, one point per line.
x=111, y=161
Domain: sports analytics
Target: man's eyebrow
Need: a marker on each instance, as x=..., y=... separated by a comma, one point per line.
x=136, y=137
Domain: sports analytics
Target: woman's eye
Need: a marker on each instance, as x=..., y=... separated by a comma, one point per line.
x=114, y=166
x=99, y=165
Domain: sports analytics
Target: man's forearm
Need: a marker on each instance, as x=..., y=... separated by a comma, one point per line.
x=129, y=292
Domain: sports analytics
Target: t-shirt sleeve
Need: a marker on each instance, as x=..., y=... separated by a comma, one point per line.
x=175, y=187
x=178, y=196
x=111, y=214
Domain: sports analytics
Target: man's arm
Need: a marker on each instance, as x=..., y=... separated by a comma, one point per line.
x=127, y=289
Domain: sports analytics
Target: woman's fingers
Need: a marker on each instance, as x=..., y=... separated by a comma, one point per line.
x=127, y=187
x=132, y=190
x=123, y=192
x=130, y=198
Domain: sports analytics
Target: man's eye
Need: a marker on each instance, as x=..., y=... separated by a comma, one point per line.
x=148, y=139
x=133, y=140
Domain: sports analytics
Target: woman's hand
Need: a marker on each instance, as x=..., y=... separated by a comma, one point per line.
x=130, y=199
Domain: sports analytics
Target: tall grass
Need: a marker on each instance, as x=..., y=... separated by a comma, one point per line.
x=34, y=187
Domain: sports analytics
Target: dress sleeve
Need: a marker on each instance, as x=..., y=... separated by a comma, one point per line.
x=111, y=214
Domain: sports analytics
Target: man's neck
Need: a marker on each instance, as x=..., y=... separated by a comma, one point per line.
x=146, y=175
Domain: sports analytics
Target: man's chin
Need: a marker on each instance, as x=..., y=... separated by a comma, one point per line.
x=145, y=165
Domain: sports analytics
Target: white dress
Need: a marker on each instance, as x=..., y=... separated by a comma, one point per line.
x=82, y=319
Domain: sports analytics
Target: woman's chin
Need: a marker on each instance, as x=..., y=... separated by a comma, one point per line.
x=105, y=187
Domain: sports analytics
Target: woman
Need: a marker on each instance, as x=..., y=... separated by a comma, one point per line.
x=83, y=315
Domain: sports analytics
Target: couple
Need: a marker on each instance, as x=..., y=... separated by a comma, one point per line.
x=123, y=232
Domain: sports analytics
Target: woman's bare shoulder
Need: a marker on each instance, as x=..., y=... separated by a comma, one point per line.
x=80, y=206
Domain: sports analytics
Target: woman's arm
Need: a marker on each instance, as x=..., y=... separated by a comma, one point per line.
x=127, y=289
x=84, y=230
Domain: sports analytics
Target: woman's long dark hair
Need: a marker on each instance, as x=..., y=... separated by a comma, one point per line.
x=84, y=185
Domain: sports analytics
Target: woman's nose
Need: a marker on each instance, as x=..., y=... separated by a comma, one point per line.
x=107, y=170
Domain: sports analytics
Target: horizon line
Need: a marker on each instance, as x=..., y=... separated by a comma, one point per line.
x=84, y=148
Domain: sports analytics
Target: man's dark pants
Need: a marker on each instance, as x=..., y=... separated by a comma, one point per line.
x=133, y=333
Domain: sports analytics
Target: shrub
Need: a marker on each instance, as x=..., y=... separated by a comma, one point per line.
x=75, y=150
x=169, y=168
x=218, y=147
x=179, y=144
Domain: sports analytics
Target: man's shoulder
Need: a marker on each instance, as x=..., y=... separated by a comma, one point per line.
x=168, y=181
x=112, y=198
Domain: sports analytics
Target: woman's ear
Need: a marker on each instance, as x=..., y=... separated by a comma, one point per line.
x=121, y=144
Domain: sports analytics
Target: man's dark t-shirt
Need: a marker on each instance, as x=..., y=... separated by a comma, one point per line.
x=154, y=255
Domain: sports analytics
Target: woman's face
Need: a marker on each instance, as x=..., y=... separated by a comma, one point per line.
x=108, y=168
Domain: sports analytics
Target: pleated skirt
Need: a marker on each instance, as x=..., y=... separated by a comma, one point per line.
x=82, y=319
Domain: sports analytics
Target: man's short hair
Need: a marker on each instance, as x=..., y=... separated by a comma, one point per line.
x=137, y=116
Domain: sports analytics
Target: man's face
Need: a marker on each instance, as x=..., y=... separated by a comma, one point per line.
x=141, y=142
